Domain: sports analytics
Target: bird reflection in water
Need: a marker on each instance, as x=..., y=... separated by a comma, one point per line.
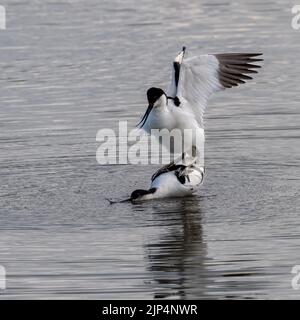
x=176, y=253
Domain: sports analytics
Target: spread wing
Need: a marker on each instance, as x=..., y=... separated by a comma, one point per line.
x=196, y=79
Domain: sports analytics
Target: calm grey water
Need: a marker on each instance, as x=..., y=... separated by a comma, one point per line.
x=70, y=68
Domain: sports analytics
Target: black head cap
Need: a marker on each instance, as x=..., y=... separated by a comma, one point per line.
x=153, y=94
x=140, y=192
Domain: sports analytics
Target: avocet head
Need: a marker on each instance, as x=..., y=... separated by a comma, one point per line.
x=156, y=97
x=140, y=194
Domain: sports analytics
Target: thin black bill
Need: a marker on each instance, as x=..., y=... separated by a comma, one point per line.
x=145, y=117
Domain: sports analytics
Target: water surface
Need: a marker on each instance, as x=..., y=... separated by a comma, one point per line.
x=70, y=68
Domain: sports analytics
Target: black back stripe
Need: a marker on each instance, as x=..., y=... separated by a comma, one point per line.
x=171, y=167
x=177, y=71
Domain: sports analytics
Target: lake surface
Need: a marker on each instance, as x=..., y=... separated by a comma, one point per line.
x=70, y=68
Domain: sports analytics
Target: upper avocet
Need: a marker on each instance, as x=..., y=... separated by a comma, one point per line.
x=194, y=80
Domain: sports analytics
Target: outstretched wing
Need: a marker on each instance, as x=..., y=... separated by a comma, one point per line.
x=195, y=79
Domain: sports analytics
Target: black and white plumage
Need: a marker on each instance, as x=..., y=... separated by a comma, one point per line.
x=173, y=180
x=194, y=80
x=201, y=76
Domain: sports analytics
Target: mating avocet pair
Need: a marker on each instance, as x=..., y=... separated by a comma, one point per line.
x=182, y=107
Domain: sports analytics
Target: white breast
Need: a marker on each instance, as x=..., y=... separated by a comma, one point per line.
x=159, y=119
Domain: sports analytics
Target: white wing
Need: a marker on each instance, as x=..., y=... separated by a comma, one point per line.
x=195, y=79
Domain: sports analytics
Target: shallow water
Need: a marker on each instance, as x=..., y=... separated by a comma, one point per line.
x=70, y=68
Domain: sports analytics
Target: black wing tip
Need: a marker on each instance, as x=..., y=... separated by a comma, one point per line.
x=244, y=54
x=235, y=66
x=240, y=56
x=252, y=54
x=184, y=48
